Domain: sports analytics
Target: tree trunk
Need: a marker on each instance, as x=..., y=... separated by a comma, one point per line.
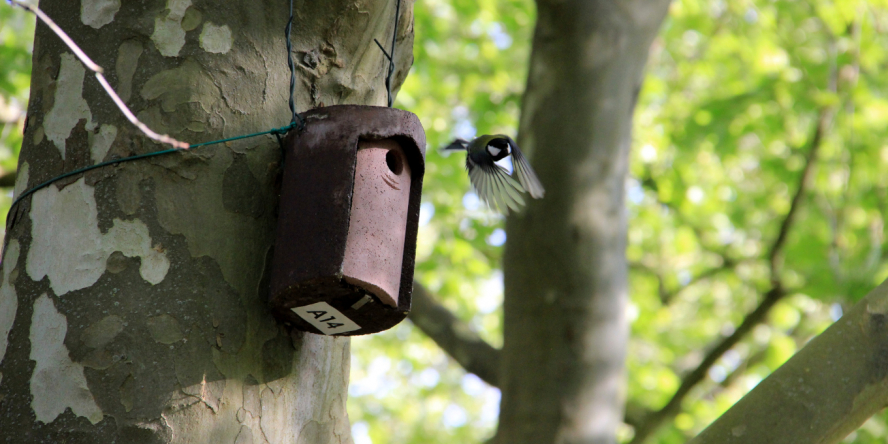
x=565, y=271
x=132, y=305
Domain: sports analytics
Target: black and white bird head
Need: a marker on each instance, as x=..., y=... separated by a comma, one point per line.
x=492, y=183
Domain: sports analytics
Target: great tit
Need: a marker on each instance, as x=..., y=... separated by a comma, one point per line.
x=492, y=182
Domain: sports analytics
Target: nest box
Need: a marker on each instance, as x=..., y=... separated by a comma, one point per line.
x=349, y=209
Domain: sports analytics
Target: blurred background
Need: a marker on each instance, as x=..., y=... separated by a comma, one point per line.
x=737, y=95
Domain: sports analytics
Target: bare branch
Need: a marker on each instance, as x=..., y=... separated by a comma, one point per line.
x=667, y=295
x=454, y=336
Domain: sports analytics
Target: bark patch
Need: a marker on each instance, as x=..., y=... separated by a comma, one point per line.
x=127, y=61
x=57, y=382
x=98, y=13
x=241, y=191
x=68, y=247
x=21, y=180
x=165, y=329
x=100, y=143
x=216, y=39
x=69, y=106
x=186, y=84
x=102, y=332
x=169, y=35
x=8, y=298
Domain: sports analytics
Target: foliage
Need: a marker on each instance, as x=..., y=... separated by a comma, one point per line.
x=724, y=126
x=16, y=43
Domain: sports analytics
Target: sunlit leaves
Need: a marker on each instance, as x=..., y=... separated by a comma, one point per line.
x=725, y=123
x=16, y=37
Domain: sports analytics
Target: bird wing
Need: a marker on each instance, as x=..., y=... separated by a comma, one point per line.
x=457, y=144
x=525, y=173
x=494, y=185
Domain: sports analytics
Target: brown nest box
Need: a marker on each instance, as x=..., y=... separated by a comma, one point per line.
x=349, y=212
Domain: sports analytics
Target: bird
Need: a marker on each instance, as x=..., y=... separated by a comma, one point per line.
x=493, y=183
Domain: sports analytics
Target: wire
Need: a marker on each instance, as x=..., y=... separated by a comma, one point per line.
x=296, y=116
x=391, y=57
x=297, y=121
x=277, y=132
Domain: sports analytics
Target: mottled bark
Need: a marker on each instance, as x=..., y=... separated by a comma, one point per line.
x=826, y=391
x=132, y=305
x=565, y=329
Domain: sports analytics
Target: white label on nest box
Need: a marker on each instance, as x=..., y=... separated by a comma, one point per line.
x=326, y=318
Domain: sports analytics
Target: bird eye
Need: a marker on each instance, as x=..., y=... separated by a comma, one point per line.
x=394, y=161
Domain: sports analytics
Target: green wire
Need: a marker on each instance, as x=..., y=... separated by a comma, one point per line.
x=276, y=131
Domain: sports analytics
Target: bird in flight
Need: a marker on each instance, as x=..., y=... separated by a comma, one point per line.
x=493, y=183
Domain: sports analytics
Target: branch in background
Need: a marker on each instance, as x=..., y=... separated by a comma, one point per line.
x=824, y=392
x=775, y=255
x=8, y=180
x=758, y=357
x=649, y=183
x=741, y=369
x=666, y=295
x=454, y=336
x=649, y=425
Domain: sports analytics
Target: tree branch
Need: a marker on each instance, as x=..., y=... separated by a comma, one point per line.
x=824, y=392
x=8, y=180
x=775, y=255
x=667, y=295
x=653, y=422
x=454, y=336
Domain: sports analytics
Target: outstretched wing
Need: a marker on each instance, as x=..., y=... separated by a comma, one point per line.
x=493, y=184
x=525, y=173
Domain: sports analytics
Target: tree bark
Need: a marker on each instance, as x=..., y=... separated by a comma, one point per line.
x=565, y=331
x=132, y=305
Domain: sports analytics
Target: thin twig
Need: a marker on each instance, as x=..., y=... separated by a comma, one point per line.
x=649, y=183
x=775, y=261
x=162, y=138
x=55, y=28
